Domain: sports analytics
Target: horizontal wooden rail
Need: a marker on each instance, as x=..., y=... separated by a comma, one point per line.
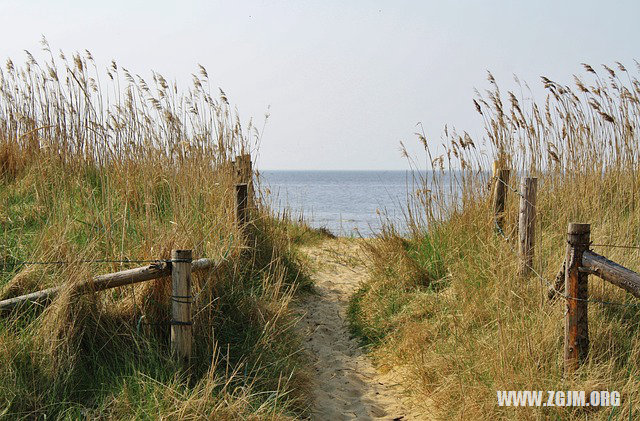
x=110, y=280
x=612, y=272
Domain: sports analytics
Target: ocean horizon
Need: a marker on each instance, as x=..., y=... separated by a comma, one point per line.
x=346, y=202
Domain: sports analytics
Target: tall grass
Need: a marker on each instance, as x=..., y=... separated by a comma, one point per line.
x=445, y=304
x=103, y=165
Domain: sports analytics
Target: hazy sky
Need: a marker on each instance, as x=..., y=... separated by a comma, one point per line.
x=346, y=80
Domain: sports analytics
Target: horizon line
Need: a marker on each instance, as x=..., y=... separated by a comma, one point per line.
x=354, y=170
x=333, y=169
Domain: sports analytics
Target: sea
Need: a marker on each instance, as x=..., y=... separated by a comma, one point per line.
x=347, y=203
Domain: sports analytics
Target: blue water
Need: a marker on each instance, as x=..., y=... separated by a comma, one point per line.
x=345, y=202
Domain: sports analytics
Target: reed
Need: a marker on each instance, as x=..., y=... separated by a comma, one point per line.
x=101, y=164
x=460, y=322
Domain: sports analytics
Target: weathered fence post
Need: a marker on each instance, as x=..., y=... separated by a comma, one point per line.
x=527, y=223
x=576, y=327
x=244, y=172
x=181, y=325
x=242, y=214
x=244, y=168
x=501, y=180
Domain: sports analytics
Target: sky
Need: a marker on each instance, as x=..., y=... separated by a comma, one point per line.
x=344, y=82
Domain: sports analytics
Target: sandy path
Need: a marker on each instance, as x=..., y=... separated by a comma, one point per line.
x=346, y=384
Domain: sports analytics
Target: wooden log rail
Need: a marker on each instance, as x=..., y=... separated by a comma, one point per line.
x=580, y=262
x=603, y=268
x=111, y=280
x=609, y=271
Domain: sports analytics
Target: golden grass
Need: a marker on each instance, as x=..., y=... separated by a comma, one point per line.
x=130, y=170
x=468, y=326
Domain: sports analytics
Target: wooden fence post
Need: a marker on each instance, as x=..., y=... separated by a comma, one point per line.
x=527, y=223
x=244, y=173
x=243, y=168
x=242, y=215
x=501, y=177
x=247, y=169
x=181, y=325
x=576, y=327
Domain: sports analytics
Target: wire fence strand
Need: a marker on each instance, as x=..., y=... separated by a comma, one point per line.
x=621, y=246
x=17, y=263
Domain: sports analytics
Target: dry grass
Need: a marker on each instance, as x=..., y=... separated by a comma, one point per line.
x=460, y=322
x=128, y=170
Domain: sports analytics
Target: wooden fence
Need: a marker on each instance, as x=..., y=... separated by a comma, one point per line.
x=580, y=261
x=179, y=268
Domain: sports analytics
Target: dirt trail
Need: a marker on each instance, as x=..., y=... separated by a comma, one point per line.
x=346, y=384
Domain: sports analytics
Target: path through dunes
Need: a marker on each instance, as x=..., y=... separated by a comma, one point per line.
x=346, y=384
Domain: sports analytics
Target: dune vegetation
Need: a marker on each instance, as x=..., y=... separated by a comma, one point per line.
x=102, y=170
x=445, y=305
